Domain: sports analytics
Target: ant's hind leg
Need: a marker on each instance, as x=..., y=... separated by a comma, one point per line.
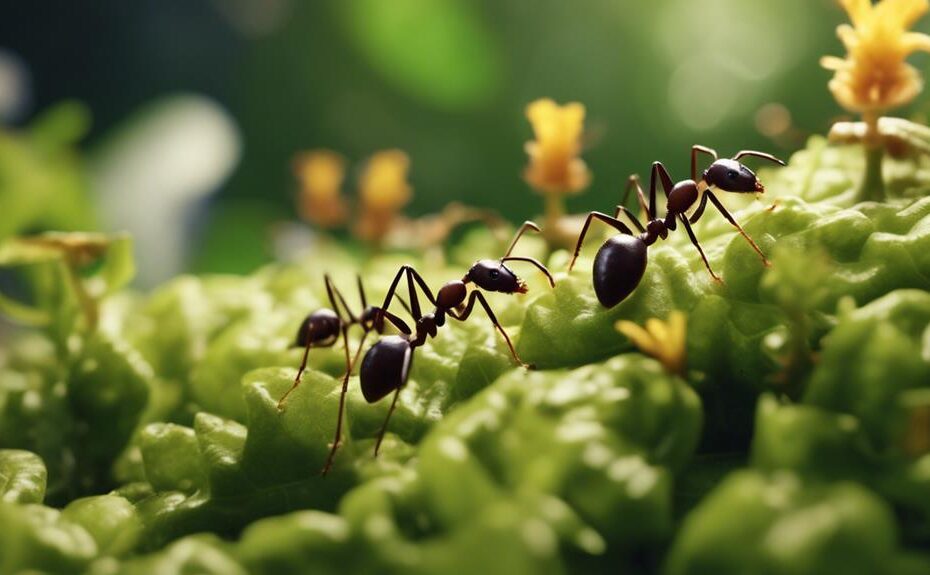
x=613, y=222
x=386, y=420
x=300, y=372
x=687, y=225
x=337, y=439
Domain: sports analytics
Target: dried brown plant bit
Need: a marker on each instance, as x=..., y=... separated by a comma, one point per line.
x=320, y=174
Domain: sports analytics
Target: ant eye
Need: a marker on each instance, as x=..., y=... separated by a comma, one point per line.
x=494, y=274
x=731, y=174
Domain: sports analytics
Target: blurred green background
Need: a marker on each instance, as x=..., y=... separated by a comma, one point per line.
x=197, y=107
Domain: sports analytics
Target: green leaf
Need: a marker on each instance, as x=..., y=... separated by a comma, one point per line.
x=22, y=477
x=110, y=519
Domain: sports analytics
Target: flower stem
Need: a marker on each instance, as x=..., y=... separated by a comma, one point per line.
x=872, y=187
x=555, y=210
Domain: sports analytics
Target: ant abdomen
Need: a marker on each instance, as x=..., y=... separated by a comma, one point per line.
x=385, y=367
x=320, y=327
x=618, y=268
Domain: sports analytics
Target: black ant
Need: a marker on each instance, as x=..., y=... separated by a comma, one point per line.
x=323, y=328
x=387, y=364
x=620, y=263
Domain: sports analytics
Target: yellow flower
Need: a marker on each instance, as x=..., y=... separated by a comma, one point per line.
x=874, y=76
x=663, y=340
x=383, y=190
x=320, y=174
x=555, y=167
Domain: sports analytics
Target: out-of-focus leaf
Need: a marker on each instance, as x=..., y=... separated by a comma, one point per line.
x=439, y=51
x=42, y=182
x=22, y=477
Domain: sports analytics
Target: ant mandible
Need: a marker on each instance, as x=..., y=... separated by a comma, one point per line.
x=387, y=364
x=620, y=263
x=323, y=328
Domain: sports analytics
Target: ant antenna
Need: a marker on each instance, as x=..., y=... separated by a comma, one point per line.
x=527, y=225
x=756, y=154
x=533, y=261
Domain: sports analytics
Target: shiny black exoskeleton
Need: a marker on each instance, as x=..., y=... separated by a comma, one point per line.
x=323, y=328
x=387, y=364
x=621, y=262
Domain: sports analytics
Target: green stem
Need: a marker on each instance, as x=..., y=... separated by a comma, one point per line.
x=872, y=187
x=555, y=210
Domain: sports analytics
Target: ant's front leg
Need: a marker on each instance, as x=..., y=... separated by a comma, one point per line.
x=687, y=225
x=470, y=306
x=613, y=222
x=714, y=200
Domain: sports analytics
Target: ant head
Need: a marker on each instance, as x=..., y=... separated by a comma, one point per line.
x=493, y=275
x=732, y=176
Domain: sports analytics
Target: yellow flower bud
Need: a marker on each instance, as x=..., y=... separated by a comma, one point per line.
x=555, y=166
x=383, y=191
x=320, y=174
x=873, y=77
x=663, y=340
x=383, y=185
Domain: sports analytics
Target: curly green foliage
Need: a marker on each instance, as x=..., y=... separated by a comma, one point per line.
x=753, y=523
x=813, y=372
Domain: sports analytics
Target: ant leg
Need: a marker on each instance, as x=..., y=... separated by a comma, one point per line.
x=756, y=154
x=694, y=241
x=732, y=220
x=405, y=305
x=527, y=225
x=479, y=297
x=361, y=291
x=700, y=209
x=633, y=183
x=414, y=300
x=422, y=283
x=333, y=292
x=667, y=184
x=695, y=150
x=622, y=210
x=386, y=420
x=380, y=314
x=300, y=372
x=614, y=222
x=342, y=399
x=379, y=319
x=533, y=261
